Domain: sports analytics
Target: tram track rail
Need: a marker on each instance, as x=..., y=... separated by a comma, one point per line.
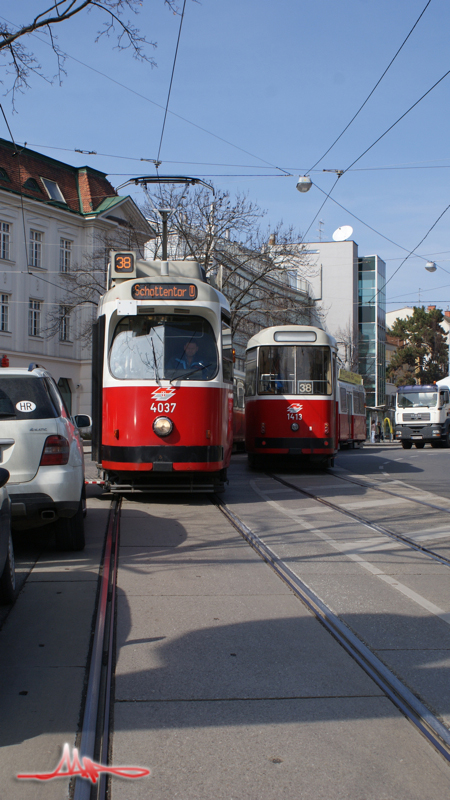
x=378, y=488
x=94, y=736
x=408, y=704
x=441, y=559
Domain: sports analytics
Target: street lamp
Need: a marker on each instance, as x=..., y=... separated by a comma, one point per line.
x=304, y=183
x=430, y=266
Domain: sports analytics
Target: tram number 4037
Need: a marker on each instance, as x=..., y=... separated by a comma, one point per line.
x=163, y=407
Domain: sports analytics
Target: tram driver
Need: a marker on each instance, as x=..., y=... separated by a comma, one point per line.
x=189, y=361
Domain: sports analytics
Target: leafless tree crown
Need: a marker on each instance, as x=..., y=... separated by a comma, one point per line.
x=20, y=61
x=262, y=271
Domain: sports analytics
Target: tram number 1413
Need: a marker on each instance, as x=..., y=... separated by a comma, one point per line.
x=161, y=408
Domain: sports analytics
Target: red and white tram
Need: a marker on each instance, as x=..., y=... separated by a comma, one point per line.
x=162, y=378
x=351, y=409
x=290, y=388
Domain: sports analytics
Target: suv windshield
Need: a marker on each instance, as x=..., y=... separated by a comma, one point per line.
x=163, y=346
x=413, y=399
x=25, y=397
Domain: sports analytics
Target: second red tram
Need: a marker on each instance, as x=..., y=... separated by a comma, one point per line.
x=162, y=378
x=290, y=388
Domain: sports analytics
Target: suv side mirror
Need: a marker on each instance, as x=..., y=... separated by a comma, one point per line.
x=82, y=421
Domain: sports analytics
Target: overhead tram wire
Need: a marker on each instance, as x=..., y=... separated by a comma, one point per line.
x=170, y=84
x=366, y=225
x=398, y=120
x=410, y=254
x=373, y=90
x=342, y=172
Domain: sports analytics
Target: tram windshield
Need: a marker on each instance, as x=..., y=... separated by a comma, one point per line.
x=163, y=346
x=294, y=370
x=413, y=399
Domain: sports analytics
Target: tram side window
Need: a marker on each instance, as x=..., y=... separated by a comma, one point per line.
x=342, y=400
x=359, y=403
x=250, y=372
x=158, y=346
x=227, y=352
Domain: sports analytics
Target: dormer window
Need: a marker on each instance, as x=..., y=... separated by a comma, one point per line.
x=32, y=185
x=4, y=175
x=53, y=190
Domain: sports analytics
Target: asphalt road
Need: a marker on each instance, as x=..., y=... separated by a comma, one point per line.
x=426, y=469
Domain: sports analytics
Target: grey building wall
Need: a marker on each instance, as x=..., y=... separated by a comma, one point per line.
x=336, y=289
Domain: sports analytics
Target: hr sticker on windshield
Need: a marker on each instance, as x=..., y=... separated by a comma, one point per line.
x=25, y=406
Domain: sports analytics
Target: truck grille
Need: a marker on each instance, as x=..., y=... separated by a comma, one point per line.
x=423, y=416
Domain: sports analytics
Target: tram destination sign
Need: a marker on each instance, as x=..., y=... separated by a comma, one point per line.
x=164, y=291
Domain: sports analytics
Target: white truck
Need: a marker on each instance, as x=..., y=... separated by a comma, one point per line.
x=422, y=414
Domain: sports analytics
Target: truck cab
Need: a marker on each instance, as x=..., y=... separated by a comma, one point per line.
x=422, y=414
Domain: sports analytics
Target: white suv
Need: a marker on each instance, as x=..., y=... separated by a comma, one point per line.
x=41, y=448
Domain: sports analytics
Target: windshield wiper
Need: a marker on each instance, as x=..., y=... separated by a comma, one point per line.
x=156, y=366
x=188, y=374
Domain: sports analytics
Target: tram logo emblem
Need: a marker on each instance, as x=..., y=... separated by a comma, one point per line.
x=294, y=408
x=163, y=392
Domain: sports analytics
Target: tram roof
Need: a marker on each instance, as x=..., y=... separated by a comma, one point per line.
x=291, y=334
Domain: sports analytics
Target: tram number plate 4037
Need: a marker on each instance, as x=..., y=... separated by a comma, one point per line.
x=163, y=408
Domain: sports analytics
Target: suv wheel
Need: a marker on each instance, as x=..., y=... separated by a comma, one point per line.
x=69, y=533
x=8, y=578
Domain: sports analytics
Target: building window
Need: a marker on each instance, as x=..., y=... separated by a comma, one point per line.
x=34, y=318
x=4, y=312
x=65, y=255
x=32, y=185
x=53, y=190
x=5, y=240
x=64, y=324
x=36, y=238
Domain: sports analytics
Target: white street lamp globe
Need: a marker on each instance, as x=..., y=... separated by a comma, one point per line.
x=304, y=183
x=431, y=266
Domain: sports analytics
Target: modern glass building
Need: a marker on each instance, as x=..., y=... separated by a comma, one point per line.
x=372, y=328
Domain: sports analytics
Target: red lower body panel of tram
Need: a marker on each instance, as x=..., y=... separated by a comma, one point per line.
x=290, y=426
x=200, y=440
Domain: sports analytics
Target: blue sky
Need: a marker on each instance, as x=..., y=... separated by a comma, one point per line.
x=278, y=81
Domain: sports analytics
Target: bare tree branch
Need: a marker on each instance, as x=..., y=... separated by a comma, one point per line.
x=262, y=272
x=21, y=61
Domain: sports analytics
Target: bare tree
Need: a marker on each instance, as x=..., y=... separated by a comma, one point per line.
x=21, y=61
x=348, y=346
x=262, y=272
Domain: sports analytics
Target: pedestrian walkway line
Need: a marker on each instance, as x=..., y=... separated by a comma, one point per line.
x=342, y=547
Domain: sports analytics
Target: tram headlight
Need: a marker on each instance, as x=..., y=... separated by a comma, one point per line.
x=294, y=426
x=162, y=426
